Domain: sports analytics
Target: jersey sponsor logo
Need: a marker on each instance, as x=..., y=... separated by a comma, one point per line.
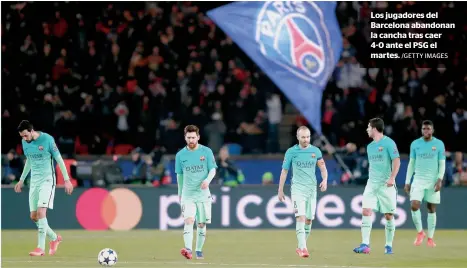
x=429, y=155
x=38, y=156
x=41, y=148
x=54, y=147
x=202, y=158
x=195, y=168
x=395, y=151
x=380, y=149
x=305, y=164
x=376, y=158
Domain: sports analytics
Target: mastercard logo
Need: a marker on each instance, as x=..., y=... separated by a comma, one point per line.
x=100, y=209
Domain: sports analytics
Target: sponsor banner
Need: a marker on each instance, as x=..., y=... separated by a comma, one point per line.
x=239, y=208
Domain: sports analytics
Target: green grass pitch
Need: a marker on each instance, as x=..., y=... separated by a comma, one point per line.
x=237, y=248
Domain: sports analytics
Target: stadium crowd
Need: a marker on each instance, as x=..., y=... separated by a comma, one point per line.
x=136, y=73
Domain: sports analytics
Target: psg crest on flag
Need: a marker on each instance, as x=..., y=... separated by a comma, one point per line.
x=295, y=36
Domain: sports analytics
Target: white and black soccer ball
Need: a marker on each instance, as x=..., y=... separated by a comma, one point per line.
x=107, y=257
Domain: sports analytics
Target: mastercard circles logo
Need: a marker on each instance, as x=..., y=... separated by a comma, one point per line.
x=100, y=209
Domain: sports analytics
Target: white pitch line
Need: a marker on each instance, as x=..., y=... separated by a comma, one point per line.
x=205, y=263
x=213, y=264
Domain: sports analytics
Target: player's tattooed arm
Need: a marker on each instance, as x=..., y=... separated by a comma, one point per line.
x=324, y=174
x=323, y=169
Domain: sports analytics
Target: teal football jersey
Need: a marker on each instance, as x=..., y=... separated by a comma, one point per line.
x=380, y=156
x=427, y=155
x=40, y=154
x=195, y=166
x=303, y=162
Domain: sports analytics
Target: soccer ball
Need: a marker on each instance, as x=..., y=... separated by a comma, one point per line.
x=107, y=257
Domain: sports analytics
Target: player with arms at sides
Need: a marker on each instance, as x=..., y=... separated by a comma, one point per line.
x=380, y=193
x=195, y=166
x=40, y=151
x=303, y=159
x=428, y=161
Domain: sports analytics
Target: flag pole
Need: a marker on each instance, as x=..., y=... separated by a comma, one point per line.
x=336, y=156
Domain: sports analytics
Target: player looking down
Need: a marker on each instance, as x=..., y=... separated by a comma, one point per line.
x=40, y=151
x=195, y=166
x=303, y=159
x=428, y=161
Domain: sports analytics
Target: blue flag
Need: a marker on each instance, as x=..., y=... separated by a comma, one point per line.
x=297, y=44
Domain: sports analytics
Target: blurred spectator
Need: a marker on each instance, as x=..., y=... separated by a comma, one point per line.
x=356, y=161
x=253, y=134
x=157, y=172
x=140, y=172
x=268, y=179
x=215, y=131
x=227, y=173
x=460, y=170
x=274, y=110
x=12, y=167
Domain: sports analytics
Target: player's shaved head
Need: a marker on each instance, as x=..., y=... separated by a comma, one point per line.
x=303, y=136
x=302, y=128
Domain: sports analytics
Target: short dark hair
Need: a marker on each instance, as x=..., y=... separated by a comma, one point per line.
x=25, y=125
x=377, y=123
x=191, y=128
x=427, y=123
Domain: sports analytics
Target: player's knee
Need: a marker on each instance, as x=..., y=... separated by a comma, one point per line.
x=41, y=213
x=201, y=225
x=415, y=205
x=366, y=212
x=189, y=221
x=300, y=218
x=308, y=222
x=431, y=208
x=388, y=216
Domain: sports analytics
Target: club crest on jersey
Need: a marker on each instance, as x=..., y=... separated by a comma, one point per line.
x=287, y=36
x=41, y=148
x=313, y=155
x=202, y=158
x=433, y=148
x=380, y=149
